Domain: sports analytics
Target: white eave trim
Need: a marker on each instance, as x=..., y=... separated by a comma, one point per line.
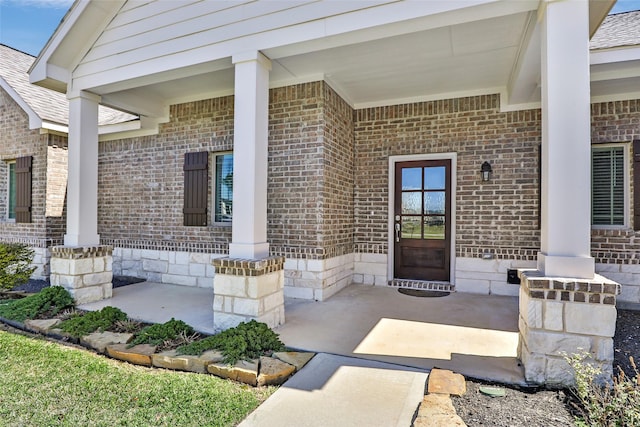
x=616, y=54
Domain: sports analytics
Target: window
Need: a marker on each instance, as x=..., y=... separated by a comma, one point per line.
x=11, y=196
x=609, y=184
x=223, y=187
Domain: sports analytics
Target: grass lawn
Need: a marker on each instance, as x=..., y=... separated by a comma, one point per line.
x=45, y=383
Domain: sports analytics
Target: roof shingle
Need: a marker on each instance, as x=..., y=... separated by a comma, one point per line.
x=49, y=105
x=618, y=30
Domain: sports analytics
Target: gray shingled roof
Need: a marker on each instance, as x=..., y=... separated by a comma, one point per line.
x=620, y=29
x=49, y=105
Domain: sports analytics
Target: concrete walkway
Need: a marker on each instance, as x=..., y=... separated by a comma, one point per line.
x=475, y=335
x=158, y=303
x=342, y=391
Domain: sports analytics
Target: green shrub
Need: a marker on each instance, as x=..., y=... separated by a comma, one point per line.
x=48, y=302
x=244, y=342
x=93, y=321
x=15, y=264
x=602, y=402
x=159, y=333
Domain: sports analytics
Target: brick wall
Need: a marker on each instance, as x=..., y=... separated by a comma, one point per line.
x=294, y=194
x=140, y=181
x=500, y=216
x=309, y=210
x=338, y=176
x=16, y=140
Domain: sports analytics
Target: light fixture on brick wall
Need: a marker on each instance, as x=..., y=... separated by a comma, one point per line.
x=486, y=171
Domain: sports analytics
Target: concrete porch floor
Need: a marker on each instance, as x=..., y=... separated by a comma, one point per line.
x=475, y=335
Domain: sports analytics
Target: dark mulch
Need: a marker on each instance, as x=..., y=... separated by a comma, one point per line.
x=540, y=407
x=34, y=286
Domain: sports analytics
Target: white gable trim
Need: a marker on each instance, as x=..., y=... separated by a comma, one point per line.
x=35, y=122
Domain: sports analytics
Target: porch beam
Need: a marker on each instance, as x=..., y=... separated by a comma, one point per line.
x=251, y=121
x=566, y=142
x=82, y=186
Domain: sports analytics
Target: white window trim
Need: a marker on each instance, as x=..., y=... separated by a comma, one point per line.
x=213, y=192
x=627, y=184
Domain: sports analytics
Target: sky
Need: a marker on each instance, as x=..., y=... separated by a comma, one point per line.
x=26, y=25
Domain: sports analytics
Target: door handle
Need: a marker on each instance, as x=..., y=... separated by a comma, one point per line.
x=397, y=232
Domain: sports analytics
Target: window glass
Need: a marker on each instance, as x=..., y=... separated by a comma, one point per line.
x=607, y=186
x=11, y=214
x=224, y=187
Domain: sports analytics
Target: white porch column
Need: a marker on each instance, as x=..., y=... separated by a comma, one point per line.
x=82, y=187
x=566, y=142
x=249, y=235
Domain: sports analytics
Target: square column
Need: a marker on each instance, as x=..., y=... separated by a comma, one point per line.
x=247, y=290
x=249, y=234
x=82, y=187
x=86, y=272
x=566, y=142
x=565, y=316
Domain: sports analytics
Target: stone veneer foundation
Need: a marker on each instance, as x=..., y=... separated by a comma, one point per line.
x=83, y=271
x=562, y=315
x=244, y=290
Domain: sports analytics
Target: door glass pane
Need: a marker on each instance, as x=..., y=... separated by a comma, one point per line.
x=434, y=227
x=410, y=227
x=411, y=203
x=434, y=202
x=434, y=178
x=412, y=179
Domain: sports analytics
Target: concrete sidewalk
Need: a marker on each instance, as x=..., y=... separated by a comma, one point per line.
x=343, y=391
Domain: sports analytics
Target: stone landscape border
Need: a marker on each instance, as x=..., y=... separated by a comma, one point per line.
x=266, y=371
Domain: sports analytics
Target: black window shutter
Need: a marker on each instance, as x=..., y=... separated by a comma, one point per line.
x=23, y=189
x=636, y=184
x=195, y=188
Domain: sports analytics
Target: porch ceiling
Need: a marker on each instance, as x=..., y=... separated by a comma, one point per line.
x=474, y=57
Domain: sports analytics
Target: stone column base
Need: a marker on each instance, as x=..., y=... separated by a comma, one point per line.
x=83, y=271
x=248, y=289
x=564, y=315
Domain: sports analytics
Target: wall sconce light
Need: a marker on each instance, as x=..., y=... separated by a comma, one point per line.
x=486, y=171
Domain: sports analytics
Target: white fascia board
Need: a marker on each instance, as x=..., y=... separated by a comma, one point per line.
x=618, y=54
x=627, y=72
x=626, y=96
x=150, y=129
x=430, y=97
x=35, y=122
x=71, y=41
x=38, y=70
x=119, y=127
x=55, y=127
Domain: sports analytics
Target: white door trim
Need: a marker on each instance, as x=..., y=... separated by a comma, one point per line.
x=391, y=192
